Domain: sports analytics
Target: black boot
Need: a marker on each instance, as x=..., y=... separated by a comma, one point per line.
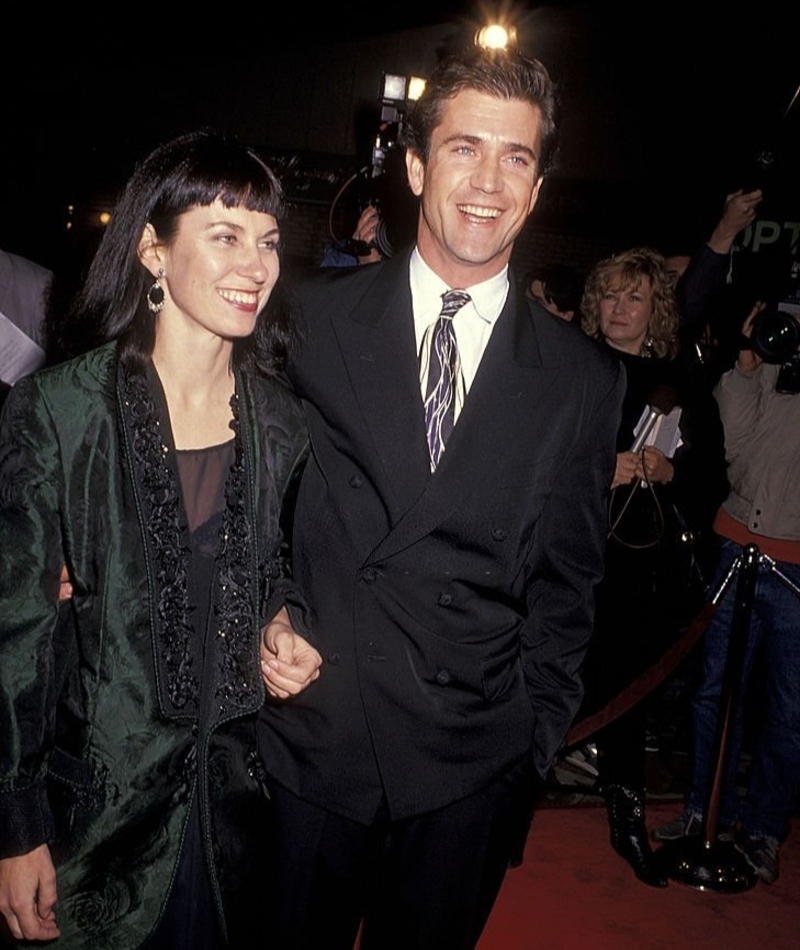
x=629, y=834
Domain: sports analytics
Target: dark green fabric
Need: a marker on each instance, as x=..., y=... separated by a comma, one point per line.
x=100, y=751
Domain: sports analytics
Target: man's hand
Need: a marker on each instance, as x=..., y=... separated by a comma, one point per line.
x=748, y=360
x=28, y=895
x=367, y=231
x=738, y=213
x=288, y=662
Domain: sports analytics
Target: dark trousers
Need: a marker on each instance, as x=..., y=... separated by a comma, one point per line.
x=427, y=882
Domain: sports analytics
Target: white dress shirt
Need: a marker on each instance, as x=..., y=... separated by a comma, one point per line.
x=473, y=324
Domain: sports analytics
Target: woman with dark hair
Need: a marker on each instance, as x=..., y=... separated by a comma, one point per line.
x=663, y=491
x=149, y=474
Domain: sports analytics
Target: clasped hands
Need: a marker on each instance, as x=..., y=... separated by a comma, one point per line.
x=288, y=661
x=650, y=465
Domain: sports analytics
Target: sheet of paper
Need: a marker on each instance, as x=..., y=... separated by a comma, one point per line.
x=665, y=434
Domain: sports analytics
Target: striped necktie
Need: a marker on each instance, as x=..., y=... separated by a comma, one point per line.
x=443, y=371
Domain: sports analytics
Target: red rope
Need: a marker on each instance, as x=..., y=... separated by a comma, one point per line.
x=652, y=677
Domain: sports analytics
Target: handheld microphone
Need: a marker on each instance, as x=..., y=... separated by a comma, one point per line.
x=661, y=403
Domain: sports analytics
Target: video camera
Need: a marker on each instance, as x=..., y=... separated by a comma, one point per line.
x=383, y=184
x=775, y=337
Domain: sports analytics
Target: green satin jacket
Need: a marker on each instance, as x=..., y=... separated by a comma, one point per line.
x=105, y=733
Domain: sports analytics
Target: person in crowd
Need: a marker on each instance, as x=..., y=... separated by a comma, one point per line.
x=449, y=533
x=24, y=298
x=661, y=494
x=701, y=280
x=24, y=294
x=152, y=470
x=699, y=275
x=362, y=248
x=762, y=444
x=558, y=288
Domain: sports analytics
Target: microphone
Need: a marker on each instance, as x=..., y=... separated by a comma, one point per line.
x=661, y=403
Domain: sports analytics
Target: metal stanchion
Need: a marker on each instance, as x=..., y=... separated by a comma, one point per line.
x=703, y=861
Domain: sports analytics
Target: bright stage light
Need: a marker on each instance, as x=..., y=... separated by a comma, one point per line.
x=496, y=36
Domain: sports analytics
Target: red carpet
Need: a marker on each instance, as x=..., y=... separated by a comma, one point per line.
x=573, y=892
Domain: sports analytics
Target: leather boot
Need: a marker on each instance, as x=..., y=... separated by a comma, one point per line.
x=629, y=834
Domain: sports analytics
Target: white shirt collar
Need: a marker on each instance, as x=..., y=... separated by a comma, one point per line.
x=487, y=297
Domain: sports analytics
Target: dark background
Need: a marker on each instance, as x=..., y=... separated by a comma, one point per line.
x=666, y=106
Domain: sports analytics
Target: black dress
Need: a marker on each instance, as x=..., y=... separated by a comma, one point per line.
x=189, y=920
x=650, y=589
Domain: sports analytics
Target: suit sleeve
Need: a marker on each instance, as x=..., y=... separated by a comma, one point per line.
x=565, y=566
x=30, y=563
x=703, y=279
x=283, y=590
x=283, y=429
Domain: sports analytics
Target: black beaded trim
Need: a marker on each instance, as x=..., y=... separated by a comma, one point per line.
x=239, y=684
x=165, y=538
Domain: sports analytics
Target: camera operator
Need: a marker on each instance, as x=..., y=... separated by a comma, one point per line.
x=361, y=248
x=761, y=418
x=366, y=236
x=702, y=283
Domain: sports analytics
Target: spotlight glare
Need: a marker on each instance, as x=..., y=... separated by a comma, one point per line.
x=496, y=36
x=394, y=87
x=416, y=87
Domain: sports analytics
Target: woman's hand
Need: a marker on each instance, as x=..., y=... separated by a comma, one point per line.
x=625, y=472
x=288, y=661
x=650, y=465
x=653, y=466
x=65, y=589
x=28, y=895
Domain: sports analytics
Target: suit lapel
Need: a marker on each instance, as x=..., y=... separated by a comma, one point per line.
x=378, y=346
x=509, y=382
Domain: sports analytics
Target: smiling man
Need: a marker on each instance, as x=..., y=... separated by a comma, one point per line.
x=448, y=536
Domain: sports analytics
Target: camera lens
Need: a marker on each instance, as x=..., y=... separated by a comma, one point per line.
x=775, y=336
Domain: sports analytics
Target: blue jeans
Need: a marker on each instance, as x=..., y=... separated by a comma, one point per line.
x=774, y=788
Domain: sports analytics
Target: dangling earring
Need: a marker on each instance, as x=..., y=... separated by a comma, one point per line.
x=648, y=347
x=155, y=295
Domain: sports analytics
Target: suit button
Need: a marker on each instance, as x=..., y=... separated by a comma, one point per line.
x=369, y=575
x=356, y=481
x=443, y=677
x=499, y=535
x=333, y=658
x=445, y=600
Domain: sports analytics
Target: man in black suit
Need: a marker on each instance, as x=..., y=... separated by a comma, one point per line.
x=450, y=588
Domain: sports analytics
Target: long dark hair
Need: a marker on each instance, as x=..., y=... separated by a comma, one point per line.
x=195, y=169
